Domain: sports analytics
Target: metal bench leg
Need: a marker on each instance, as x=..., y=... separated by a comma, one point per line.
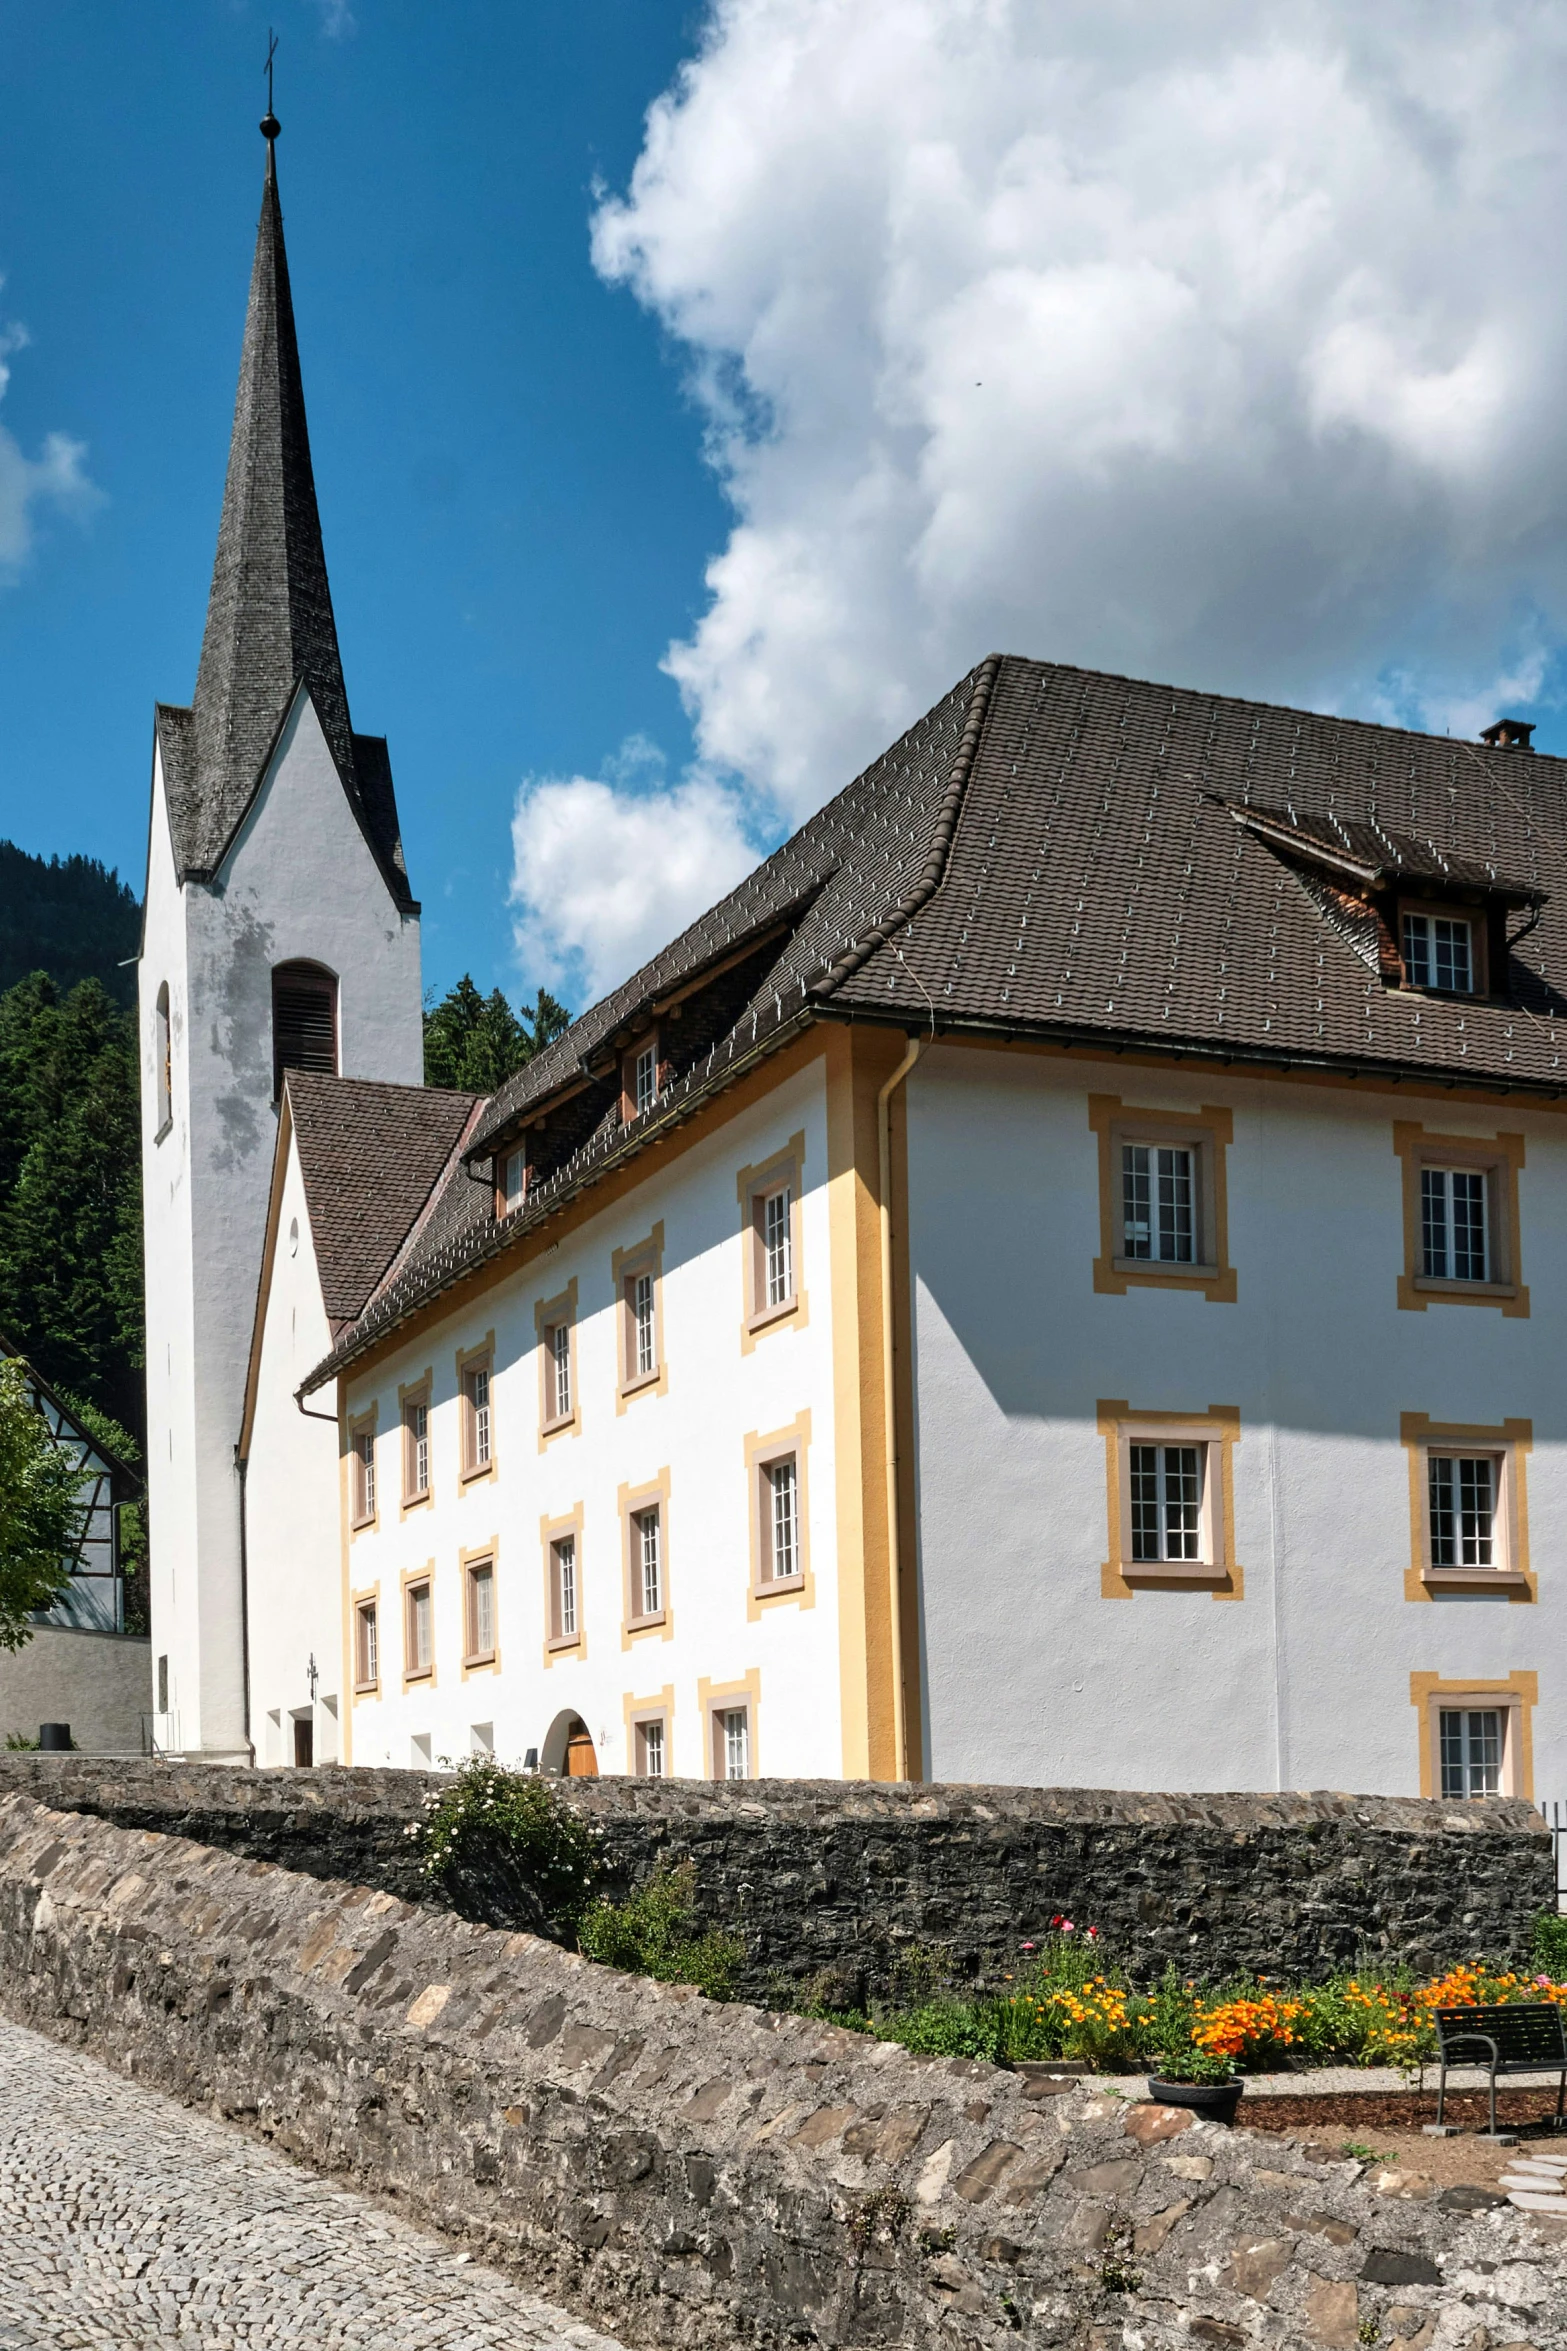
x=1561, y=2093
x=1441, y=2089
x=1493, y=2097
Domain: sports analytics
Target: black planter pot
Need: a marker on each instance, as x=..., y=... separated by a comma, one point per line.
x=1214, y=2101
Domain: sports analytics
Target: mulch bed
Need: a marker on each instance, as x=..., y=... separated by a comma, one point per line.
x=1356, y=2111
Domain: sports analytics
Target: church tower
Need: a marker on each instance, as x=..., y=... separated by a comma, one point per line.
x=279, y=932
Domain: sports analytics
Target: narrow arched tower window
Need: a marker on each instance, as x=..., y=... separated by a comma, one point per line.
x=304, y=1021
x=164, y=1054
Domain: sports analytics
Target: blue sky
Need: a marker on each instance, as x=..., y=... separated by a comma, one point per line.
x=512, y=489
x=697, y=390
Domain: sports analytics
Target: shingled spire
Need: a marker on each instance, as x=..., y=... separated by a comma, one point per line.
x=270, y=626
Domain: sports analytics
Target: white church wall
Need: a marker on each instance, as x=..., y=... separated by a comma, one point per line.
x=293, y=1520
x=1031, y=1675
x=299, y=881
x=687, y=1437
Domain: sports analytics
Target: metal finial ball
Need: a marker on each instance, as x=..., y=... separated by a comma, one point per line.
x=270, y=126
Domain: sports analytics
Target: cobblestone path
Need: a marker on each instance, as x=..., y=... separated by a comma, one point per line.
x=127, y=2221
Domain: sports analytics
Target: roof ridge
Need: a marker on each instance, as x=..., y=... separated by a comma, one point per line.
x=843, y=967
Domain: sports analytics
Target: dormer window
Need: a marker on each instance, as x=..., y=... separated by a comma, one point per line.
x=639, y=1079
x=1439, y=952
x=514, y=1180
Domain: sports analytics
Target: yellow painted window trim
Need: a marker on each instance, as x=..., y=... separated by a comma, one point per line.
x=715, y=1698
x=1208, y=1133
x=1501, y=1157
x=1517, y=1696
x=1511, y=1442
x=1218, y=1429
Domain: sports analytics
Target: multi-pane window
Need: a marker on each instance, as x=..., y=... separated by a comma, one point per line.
x=563, y=1587
x=559, y=1370
x=367, y=1646
x=781, y=1520
x=1471, y=1740
x=777, y=1249
x=732, y=1743
x=650, y=1749
x=644, y=1080
x=647, y=1561
x=420, y=1635
x=416, y=1422
x=364, y=1475
x=1439, y=953
x=1453, y=1223
x=644, y=1338
x=514, y=1180
x=1166, y=1501
x=481, y=1609
x=477, y=1432
x=1463, y=1510
x=1158, y=1202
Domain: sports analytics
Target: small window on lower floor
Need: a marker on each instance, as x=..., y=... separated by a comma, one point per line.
x=732, y=1743
x=565, y=1611
x=481, y=1610
x=647, y=1562
x=780, y=1509
x=1463, y=1503
x=419, y=1635
x=649, y=1748
x=1167, y=1495
x=1472, y=1740
x=367, y=1646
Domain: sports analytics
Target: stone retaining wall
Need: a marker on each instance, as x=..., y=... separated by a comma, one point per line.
x=697, y=2176
x=834, y=1879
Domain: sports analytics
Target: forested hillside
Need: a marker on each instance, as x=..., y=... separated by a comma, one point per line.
x=68, y=916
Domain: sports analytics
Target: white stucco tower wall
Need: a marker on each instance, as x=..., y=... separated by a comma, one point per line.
x=273, y=839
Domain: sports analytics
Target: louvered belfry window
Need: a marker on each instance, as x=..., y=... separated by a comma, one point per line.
x=304, y=1021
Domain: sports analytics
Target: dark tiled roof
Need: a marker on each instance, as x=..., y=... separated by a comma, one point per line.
x=270, y=626
x=370, y=1155
x=1056, y=852
x=1098, y=885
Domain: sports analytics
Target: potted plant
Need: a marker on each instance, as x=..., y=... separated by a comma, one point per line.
x=1199, y=2078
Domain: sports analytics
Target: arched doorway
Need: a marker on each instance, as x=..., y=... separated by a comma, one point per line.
x=569, y=1750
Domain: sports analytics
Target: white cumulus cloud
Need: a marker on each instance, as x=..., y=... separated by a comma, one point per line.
x=1218, y=341
x=56, y=476
x=607, y=869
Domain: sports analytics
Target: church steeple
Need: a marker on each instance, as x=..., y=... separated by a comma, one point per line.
x=270, y=626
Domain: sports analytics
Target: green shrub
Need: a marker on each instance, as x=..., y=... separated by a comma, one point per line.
x=1548, y=1947
x=506, y=1851
x=652, y=1933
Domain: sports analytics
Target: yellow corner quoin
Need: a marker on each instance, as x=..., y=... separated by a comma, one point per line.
x=858, y=1063
x=1516, y=1698
x=1218, y=1428
x=1208, y=1134
x=1509, y=1441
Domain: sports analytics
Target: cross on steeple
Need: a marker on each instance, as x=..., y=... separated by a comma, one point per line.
x=270, y=126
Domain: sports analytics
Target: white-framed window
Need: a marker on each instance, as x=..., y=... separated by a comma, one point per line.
x=564, y=1616
x=1464, y=1500
x=651, y=1748
x=644, y=1079
x=780, y=1519
x=478, y=1441
x=647, y=1560
x=1167, y=1501
x=481, y=1608
x=514, y=1180
x=420, y=1628
x=163, y=1056
x=1439, y=952
x=1453, y=1224
x=777, y=1247
x=364, y=1476
x=644, y=1329
x=732, y=1743
x=1159, y=1203
x=1473, y=1742
x=367, y=1646
x=416, y=1458
x=559, y=1337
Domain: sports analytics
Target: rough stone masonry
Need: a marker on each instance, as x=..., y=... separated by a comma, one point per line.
x=835, y=1879
x=687, y=2174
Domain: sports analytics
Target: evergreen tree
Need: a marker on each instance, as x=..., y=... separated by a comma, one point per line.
x=475, y=1042
x=69, y=916
x=70, y=1191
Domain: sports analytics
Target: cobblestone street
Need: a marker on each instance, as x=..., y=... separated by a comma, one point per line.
x=127, y=2221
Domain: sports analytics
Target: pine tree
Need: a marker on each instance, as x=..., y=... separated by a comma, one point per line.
x=475, y=1042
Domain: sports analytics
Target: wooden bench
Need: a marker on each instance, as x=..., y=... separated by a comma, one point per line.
x=1528, y=2038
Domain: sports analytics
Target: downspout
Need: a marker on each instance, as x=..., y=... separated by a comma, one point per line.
x=900, y=1758
x=241, y=1463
